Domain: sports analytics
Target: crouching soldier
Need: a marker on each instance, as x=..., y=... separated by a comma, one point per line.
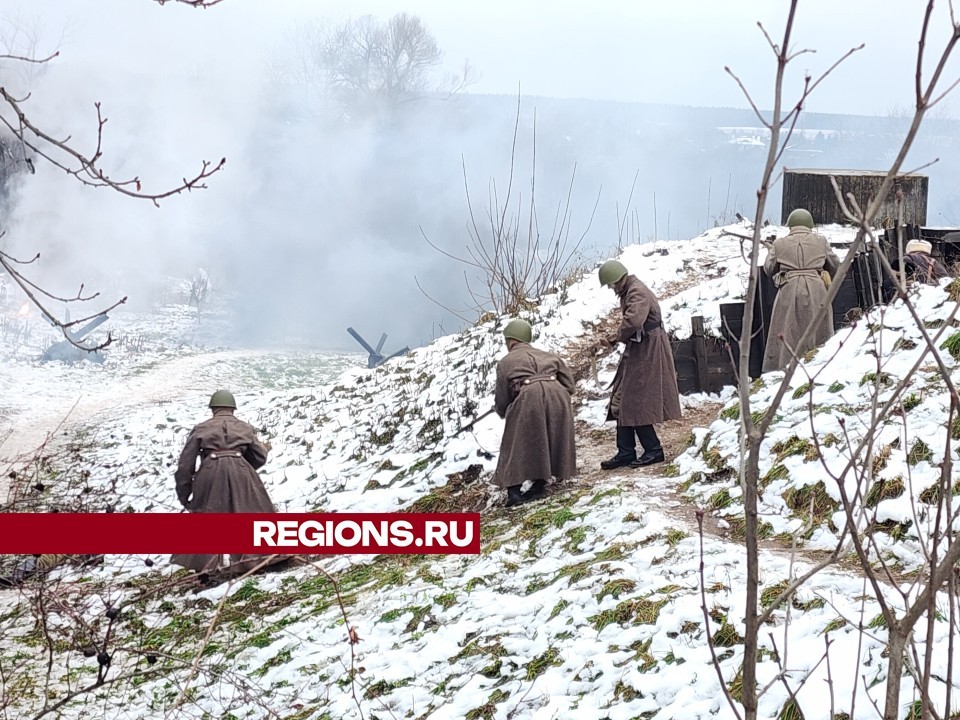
x=919, y=266
x=645, y=385
x=226, y=481
x=533, y=394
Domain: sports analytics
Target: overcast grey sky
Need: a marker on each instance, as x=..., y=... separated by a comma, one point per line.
x=300, y=200
x=661, y=51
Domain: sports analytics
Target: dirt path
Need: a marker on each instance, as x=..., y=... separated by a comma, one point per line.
x=652, y=489
x=648, y=484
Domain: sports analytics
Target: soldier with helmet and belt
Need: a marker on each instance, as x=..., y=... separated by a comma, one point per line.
x=226, y=481
x=644, y=389
x=796, y=263
x=533, y=394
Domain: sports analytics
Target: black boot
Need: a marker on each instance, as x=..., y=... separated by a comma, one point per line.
x=626, y=449
x=536, y=491
x=652, y=449
x=514, y=496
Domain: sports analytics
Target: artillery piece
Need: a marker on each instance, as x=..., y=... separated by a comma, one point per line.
x=376, y=357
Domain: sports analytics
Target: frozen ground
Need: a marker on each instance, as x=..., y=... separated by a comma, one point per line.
x=585, y=605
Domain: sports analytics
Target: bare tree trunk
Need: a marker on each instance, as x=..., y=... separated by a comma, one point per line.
x=896, y=645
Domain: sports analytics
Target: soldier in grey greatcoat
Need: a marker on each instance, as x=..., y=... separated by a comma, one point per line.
x=795, y=262
x=533, y=394
x=226, y=481
x=645, y=385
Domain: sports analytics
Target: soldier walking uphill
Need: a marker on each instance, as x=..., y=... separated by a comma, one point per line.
x=795, y=262
x=226, y=481
x=645, y=386
x=533, y=395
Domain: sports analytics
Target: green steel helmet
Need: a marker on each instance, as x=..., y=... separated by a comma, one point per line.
x=611, y=271
x=518, y=330
x=223, y=398
x=800, y=217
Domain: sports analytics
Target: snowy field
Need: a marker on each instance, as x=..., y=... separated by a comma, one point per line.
x=585, y=605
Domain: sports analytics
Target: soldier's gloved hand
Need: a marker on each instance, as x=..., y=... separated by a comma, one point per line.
x=612, y=340
x=184, y=498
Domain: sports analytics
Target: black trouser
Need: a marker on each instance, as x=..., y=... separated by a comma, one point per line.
x=627, y=436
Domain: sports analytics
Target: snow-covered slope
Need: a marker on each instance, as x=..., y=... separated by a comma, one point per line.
x=587, y=604
x=818, y=431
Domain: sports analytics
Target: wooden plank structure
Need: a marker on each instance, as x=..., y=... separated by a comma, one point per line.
x=811, y=189
x=707, y=364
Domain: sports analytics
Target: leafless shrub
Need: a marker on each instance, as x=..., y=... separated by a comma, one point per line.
x=200, y=289
x=32, y=143
x=941, y=551
x=96, y=641
x=373, y=67
x=92, y=643
x=512, y=261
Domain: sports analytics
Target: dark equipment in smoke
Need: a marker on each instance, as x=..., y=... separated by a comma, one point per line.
x=376, y=357
x=66, y=351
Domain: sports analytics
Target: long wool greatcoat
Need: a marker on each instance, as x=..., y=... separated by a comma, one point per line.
x=645, y=385
x=795, y=262
x=227, y=483
x=538, y=438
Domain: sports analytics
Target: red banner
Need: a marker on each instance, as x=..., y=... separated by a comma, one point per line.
x=246, y=533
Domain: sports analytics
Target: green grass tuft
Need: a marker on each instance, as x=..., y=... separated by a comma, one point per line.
x=726, y=635
x=919, y=452
x=488, y=710
x=714, y=459
x=720, y=499
x=540, y=664
x=792, y=446
x=446, y=600
x=777, y=472
x=800, y=500
x=610, y=492
x=883, y=379
x=772, y=592
x=790, y=711
x=674, y=536
x=615, y=588
x=884, y=489
x=801, y=391
x=952, y=345
x=911, y=401
x=625, y=692
x=834, y=625
x=877, y=622
x=731, y=413
x=559, y=608
x=639, y=611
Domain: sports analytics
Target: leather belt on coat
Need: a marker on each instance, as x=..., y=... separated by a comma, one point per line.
x=648, y=327
x=780, y=279
x=215, y=454
x=518, y=385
